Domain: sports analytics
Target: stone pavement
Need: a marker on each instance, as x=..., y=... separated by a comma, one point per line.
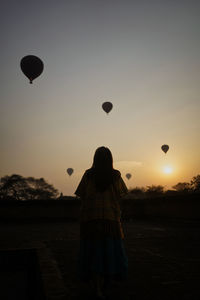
x=164, y=257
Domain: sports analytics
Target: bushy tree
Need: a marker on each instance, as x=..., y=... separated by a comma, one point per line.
x=182, y=187
x=195, y=183
x=17, y=187
x=155, y=190
x=137, y=190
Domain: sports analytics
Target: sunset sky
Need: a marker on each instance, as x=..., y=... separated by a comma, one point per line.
x=143, y=56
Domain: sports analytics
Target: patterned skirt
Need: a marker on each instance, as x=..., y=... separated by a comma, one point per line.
x=102, y=250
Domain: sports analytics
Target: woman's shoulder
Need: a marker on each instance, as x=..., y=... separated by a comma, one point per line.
x=88, y=173
x=116, y=173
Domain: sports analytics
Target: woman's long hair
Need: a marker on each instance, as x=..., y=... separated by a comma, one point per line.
x=102, y=171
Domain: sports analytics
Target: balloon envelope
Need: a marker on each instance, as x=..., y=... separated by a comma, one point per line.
x=32, y=66
x=70, y=171
x=128, y=176
x=107, y=107
x=165, y=148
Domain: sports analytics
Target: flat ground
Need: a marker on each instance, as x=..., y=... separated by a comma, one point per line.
x=164, y=257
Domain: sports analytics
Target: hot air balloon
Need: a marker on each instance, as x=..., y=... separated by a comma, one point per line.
x=31, y=66
x=107, y=107
x=70, y=171
x=165, y=148
x=128, y=176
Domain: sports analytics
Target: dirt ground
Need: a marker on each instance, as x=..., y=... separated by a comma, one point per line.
x=164, y=257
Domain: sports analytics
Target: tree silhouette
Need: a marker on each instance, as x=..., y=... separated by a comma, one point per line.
x=137, y=190
x=155, y=190
x=195, y=183
x=17, y=187
x=182, y=187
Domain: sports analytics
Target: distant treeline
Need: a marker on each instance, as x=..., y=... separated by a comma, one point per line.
x=17, y=187
x=158, y=190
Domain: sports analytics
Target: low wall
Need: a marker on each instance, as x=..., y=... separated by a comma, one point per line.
x=168, y=207
x=42, y=210
x=69, y=210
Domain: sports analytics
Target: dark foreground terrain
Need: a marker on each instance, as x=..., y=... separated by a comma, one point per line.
x=164, y=257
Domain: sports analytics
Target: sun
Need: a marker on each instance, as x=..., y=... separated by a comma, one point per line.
x=167, y=170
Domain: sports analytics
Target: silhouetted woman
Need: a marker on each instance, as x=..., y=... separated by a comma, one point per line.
x=102, y=253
